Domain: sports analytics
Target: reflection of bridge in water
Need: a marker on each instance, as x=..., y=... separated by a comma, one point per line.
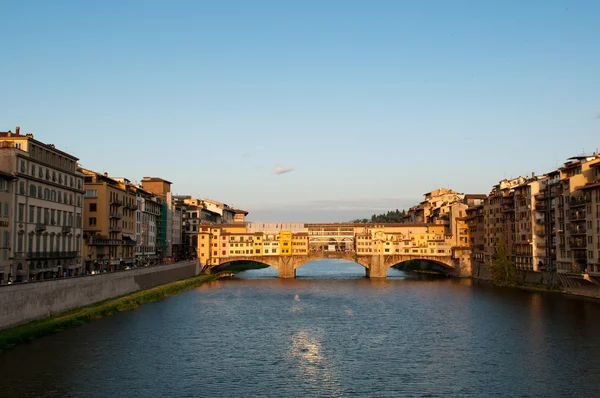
x=376, y=247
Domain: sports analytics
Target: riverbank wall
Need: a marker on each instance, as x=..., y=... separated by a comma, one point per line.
x=20, y=303
x=574, y=284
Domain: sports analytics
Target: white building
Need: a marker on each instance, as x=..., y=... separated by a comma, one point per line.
x=46, y=238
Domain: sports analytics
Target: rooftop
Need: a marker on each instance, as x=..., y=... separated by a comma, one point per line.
x=155, y=179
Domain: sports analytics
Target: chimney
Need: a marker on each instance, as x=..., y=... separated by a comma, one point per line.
x=105, y=174
x=17, y=130
x=532, y=174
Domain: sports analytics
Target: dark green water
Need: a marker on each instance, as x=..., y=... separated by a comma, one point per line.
x=329, y=333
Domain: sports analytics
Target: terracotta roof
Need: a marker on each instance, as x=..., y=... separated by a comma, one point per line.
x=155, y=179
x=475, y=196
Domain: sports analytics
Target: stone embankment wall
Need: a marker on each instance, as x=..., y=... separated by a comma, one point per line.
x=481, y=272
x=20, y=303
x=571, y=284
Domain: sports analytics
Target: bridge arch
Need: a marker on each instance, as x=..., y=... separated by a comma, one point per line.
x=375, y=265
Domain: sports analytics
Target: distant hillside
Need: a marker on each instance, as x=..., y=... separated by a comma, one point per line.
x=390, y=217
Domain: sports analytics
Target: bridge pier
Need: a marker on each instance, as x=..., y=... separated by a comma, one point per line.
x=286, y=272
x=286, y=267
x=376, y=268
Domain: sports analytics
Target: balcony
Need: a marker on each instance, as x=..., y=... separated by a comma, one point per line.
x=540, y=220
x=65, y=229
x=578, y=244
x=577, y=216
x=131, y=206
x=99, y=241
x=580, y=200
x=579, y=230
x=39, y=227
x=118, y=216
x=507, y=207
x=541, y=245
x=116, y=202
x=540, y=206
x=114, y=228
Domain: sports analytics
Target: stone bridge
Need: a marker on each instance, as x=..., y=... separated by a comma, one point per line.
x=375, y=265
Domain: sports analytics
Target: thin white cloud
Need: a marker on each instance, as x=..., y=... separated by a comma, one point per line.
x=283, y=169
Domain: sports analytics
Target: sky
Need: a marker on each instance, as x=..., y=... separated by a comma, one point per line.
x=304, y=111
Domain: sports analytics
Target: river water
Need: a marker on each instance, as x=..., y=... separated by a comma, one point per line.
x=328, y=333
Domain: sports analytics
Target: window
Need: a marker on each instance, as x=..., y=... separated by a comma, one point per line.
x=21, y=213
x=92, y=206
x=92, y=221
x=91, y=193
x=31, y=213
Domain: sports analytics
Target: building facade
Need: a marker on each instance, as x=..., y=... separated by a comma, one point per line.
x=7, y=200
x=109, y=222
x=45, y=236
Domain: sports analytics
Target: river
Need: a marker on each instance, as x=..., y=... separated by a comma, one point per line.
x=329, y=333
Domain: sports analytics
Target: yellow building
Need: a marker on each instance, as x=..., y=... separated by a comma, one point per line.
x=285, y=243
x=109, y=222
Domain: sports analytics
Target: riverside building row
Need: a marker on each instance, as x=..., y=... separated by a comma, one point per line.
x=548, y=222
x=58, y=219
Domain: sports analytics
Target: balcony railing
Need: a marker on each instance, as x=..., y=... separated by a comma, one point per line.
x=578, y=244
x=98, y=241
x=114, y=228
x=116, y=202
x=118, y=216
x=578, y=231
x=65, y=229
x=577, y=216
x=580, y=200
x=131, y=206
x=39, y=227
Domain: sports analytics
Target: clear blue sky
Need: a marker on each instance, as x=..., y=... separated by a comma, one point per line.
x=372, y=103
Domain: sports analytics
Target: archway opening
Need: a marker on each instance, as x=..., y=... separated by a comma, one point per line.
x=421, y=267
x=247, y=269
x=330, y=268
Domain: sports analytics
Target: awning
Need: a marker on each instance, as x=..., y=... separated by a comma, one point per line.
x=128, y=237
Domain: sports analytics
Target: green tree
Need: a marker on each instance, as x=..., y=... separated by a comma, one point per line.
x=503, y=270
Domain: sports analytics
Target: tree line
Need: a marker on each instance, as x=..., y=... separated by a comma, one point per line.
x=391, y=217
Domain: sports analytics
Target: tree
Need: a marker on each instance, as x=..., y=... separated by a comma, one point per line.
x=503, y=270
